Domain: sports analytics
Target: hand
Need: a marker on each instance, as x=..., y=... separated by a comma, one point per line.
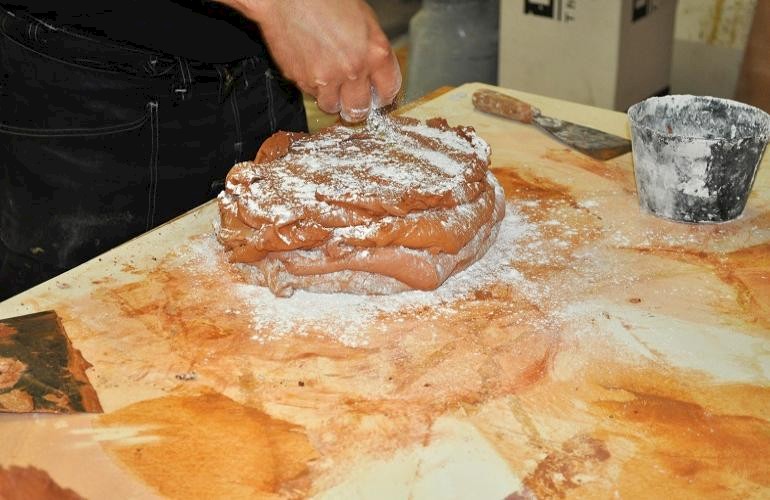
x=333, y=50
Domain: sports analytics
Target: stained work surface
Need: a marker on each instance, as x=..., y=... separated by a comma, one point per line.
x=39, y=369
x=273, y=455
x=30, y=483
x=595, y=352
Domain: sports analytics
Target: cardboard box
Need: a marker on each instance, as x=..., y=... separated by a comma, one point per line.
x=607, y=53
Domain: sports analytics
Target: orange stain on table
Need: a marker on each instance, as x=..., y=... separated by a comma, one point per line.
x=689, y=438
x=482, y=350
x=563, y=469
x=651, y=431
x=606, y=169
x=665, y=432
x=538, y=189
x=694, y=449
x=485, y=349
x=187, y=308
x=562, y=225
x=746, y=270
x=31, y=483
x=203, y=445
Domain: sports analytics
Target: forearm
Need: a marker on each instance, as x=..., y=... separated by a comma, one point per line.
x=256, y=10
x=334, y=50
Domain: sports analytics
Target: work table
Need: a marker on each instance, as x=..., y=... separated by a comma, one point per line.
x=598, y=351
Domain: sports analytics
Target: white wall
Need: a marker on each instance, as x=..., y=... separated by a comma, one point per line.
x=709, y=40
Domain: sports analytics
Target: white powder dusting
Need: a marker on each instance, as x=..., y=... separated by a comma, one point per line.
x=696, y=183
x=352, y=315
x=393, y=162
x=451, y=140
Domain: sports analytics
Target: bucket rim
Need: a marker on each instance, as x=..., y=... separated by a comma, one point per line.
x=761, y=116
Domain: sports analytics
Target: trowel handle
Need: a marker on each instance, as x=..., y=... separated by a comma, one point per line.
x=503, y=105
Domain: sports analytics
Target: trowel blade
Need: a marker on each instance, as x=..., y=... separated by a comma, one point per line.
x=589, y=141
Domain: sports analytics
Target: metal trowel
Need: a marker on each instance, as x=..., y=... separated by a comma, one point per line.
x=589, y=141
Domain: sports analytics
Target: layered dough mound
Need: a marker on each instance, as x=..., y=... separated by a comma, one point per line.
x=398, y=205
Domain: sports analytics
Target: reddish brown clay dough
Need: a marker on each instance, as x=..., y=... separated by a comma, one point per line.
x=397, y=206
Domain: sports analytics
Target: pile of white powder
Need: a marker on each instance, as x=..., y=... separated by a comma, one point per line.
x=351, y=316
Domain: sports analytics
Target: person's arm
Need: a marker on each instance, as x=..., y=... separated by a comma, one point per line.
x=334, y=50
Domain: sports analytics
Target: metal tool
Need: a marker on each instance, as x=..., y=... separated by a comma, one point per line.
x=589, y=141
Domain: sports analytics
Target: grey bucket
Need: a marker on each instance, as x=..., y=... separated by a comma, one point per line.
x=696, y=157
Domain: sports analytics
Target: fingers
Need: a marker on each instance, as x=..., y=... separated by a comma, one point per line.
x=384, y=70
x=328, y=98
x=379, y=89
x=307, y=89
x=386, y=82
x=333, y=50
x=355, y=99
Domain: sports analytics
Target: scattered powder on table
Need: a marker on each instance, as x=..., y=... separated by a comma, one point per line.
x=351, y=316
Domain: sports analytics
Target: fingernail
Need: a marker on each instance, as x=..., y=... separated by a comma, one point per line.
x=336, y=109
x=355, y=114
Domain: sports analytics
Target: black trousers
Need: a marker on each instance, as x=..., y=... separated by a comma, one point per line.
x=101, y=142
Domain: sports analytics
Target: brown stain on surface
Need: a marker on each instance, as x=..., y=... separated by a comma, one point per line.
x=558, y=218
x=540, y=189
x=205, y=445
x=667, y=432
x=31, y=483
x=186, y=308
x=563, y=469
x=6, y=332
x=475, y=355
x=381, y=397
x=629, y=424
x=689, y=438
x=746, y=270
x=716, y=21
x=606, y=169
x=700, y=451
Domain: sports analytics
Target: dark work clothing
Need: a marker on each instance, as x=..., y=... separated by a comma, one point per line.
x=201, y=30
x=99, y=143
